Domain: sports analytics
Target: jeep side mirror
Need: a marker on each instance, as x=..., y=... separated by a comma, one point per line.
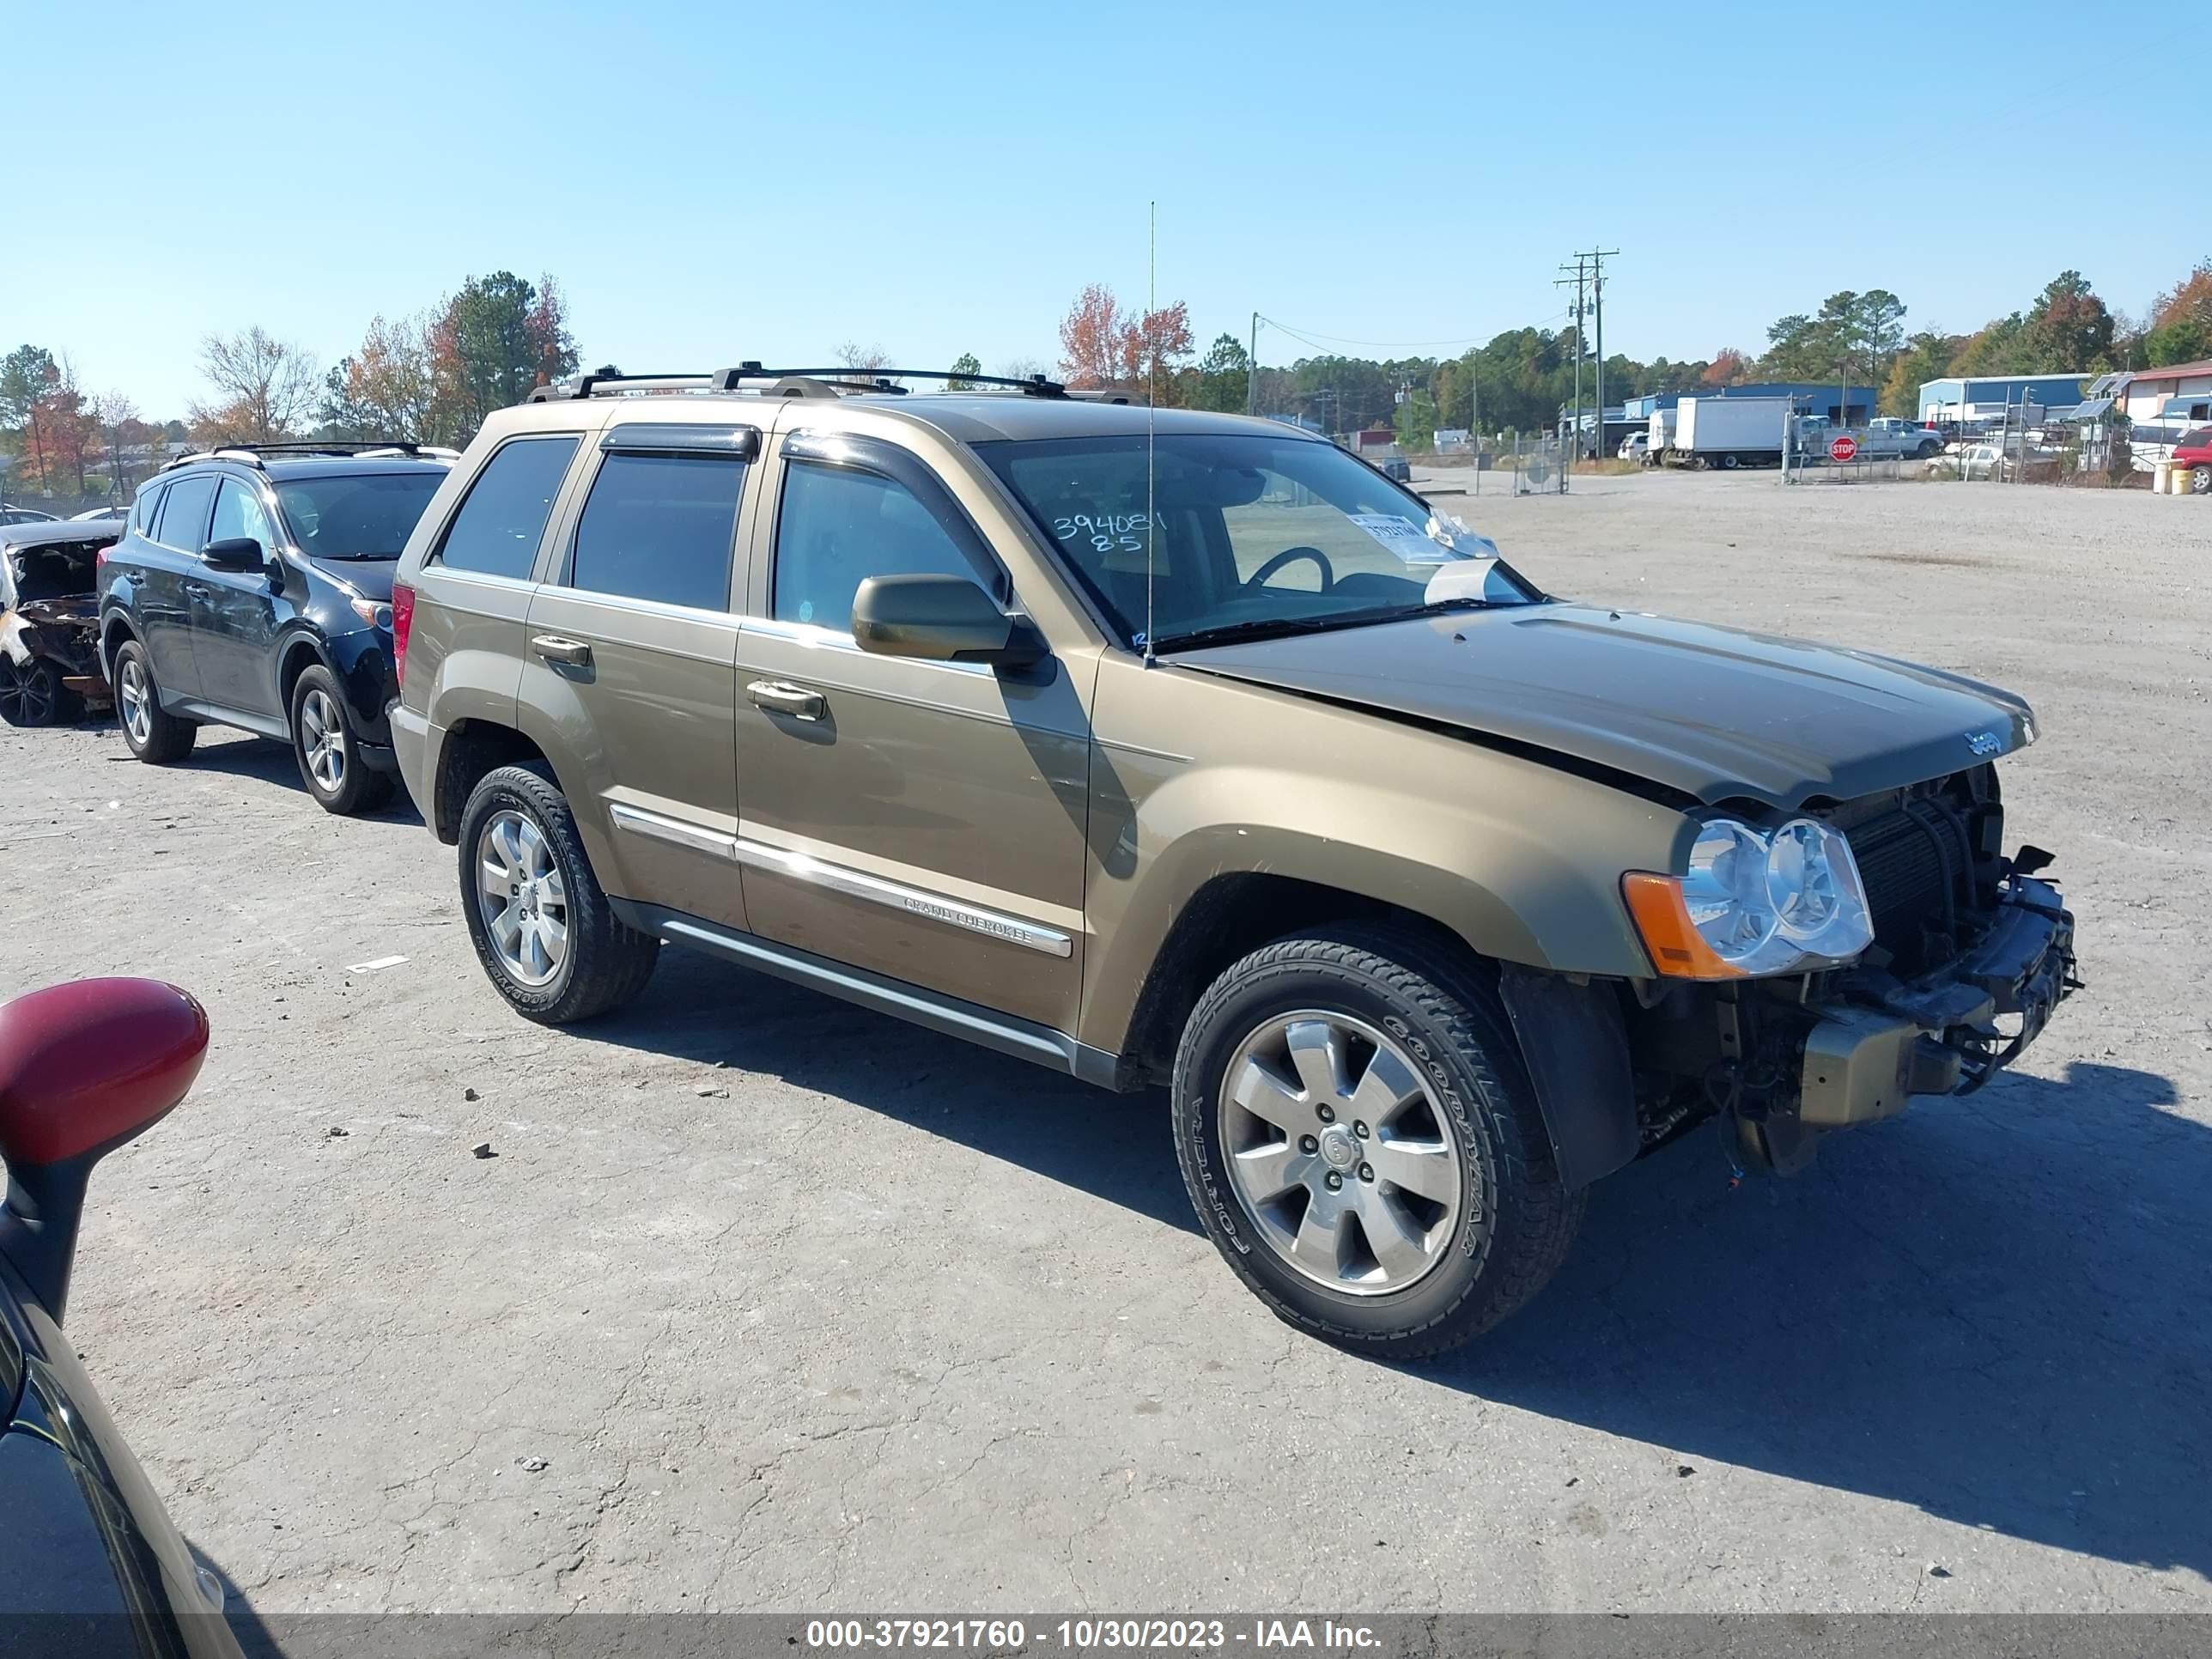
x=234, y=554
x=83, y=1068
x=940, y=619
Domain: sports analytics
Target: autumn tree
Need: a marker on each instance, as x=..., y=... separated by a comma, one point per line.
x=2180, y=329
x=263, y=388
x=55, y=424
x=25, y=374
x=1926, y=356
x=390, y=387
x=1102, y=345
x=1091, y=339
x=498, y=337
x=1153, y=347
x=2069, y=330
x=1730, y=366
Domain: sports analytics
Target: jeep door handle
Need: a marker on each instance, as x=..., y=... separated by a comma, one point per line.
x=568, y=653
x=796, y=700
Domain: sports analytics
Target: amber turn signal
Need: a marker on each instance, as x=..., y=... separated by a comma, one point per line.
x=1663, y=921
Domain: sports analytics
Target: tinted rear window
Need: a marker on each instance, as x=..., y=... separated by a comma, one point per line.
x=184, y=514
x=660, y=527
x=498, y=527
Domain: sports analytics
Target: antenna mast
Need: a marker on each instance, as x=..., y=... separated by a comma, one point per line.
x=1151, y=403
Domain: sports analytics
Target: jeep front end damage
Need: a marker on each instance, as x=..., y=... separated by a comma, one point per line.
x=1969, y=956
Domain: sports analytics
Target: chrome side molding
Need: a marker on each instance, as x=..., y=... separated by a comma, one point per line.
x=841, y=879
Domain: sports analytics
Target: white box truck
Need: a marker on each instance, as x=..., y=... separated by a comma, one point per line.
x=1729, y=432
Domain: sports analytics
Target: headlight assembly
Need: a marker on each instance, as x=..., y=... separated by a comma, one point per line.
x=1753, y=901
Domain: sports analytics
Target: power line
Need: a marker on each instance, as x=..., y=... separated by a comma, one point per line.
x=1597, y=257
x=1317, y=337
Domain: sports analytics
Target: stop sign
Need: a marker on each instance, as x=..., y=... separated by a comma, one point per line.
x=1843, y=447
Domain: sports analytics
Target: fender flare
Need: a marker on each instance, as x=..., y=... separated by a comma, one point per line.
x=1575, y=1044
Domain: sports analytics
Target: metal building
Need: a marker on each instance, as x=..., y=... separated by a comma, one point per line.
x=1985, y=396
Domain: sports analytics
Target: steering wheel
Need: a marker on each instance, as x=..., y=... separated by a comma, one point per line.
x=1292, y=555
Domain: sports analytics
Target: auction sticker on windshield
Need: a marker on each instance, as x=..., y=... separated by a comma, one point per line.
x=1409, y=541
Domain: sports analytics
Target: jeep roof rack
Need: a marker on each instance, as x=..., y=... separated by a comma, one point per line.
x=800, y=382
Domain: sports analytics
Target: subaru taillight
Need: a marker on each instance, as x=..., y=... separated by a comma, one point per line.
x=403, y=622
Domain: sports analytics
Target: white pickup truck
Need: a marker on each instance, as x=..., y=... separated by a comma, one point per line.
x=1878, y=440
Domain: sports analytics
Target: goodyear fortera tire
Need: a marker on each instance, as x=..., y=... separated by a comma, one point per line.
x=518, y=823
x=1483, y=1221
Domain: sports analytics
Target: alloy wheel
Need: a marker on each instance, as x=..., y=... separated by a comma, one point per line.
x=322, y=740
x=26, y=698
x=1340, y=1152
x=136, y=698
x=522, y=898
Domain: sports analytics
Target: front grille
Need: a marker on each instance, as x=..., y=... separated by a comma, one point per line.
x=1918, y=867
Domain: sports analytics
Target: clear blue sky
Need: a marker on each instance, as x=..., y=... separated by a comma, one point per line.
x=712, y=182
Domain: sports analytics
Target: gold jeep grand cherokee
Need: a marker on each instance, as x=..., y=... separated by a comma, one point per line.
x=1173, y=747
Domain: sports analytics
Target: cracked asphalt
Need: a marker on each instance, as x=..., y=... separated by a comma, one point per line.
x=767, y=1302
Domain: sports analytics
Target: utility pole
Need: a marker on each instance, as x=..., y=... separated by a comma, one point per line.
x=1597, y=256
x=1252, y=371
x=1579, y=278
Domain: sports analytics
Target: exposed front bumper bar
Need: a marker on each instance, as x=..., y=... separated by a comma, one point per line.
x=1886, y=1041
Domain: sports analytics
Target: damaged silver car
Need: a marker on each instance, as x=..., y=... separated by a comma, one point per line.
x=50, y=669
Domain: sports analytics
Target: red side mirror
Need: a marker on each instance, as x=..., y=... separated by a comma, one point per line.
x=83, y=1068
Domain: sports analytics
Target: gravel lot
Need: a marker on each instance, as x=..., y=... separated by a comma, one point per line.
x=806, y=1310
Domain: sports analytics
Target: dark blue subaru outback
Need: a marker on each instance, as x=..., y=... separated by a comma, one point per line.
x=252, y=588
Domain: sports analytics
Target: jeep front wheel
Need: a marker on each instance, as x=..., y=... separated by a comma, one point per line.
x=1360, y=1139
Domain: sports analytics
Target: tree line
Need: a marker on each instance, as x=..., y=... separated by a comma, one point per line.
x=1519, y=381
x=432, y=376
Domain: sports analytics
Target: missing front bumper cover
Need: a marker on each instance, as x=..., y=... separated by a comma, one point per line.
x=1942, y=1034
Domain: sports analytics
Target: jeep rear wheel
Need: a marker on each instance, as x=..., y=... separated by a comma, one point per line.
x=1360, y=1137
x=543, y=927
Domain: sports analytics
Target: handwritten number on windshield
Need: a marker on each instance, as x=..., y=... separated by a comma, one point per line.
x=1106, y=532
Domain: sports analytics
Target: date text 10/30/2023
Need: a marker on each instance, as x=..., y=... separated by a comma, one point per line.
x=1094, y=1635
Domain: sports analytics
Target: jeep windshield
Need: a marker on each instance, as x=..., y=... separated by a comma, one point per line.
x=357, y=515
x=1255, y=535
